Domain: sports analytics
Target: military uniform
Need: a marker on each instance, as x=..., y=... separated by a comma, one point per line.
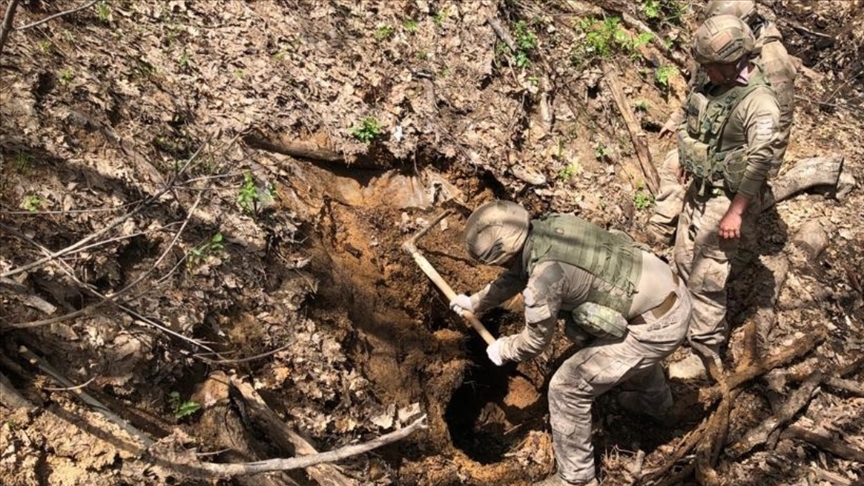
x=565, y=263
x=780, y=70
x=728, y=145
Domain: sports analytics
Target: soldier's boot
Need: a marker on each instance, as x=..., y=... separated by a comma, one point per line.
x=555, y=480
x=635, y=403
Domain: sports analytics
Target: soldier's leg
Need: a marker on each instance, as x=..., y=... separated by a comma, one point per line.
x=668, y=201
x=709, y=270
x=593, y=371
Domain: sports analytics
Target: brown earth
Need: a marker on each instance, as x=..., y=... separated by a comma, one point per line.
x=130, y=122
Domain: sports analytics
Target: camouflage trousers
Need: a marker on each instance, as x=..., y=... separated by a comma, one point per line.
x=704, y=260
x=668, y=202
x=632, y=361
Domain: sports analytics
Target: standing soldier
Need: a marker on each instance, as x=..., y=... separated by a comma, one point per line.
x=622, y=303
x=779, y=69
x=727, y=149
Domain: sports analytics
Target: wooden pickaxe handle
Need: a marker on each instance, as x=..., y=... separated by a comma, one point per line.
x=439, y=282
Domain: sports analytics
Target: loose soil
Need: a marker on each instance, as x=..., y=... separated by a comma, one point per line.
x=234, y=263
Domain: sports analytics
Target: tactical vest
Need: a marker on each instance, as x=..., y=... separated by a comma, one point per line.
x=614, y=261
x=700, y=136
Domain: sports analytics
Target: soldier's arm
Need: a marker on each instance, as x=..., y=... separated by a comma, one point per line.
x=760, y=119
x=542, y=297
x=499, y=290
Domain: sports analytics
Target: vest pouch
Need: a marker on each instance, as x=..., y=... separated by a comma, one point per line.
x=734, y=164
x=695, y=109
x=599, y=321
x=694, y=157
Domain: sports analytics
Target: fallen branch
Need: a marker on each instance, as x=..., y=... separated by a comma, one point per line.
x=848, y=386
x=652, y=179
x=6, y=27
x=206, y=470
x=806, y=174
x=760, y=434
x=305, y=151
x=501, y=33
x=57, y=15
x=794, y=351
x=825, y=442
x=266, y=420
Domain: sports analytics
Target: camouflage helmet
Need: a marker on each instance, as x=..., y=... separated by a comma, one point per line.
x=496, y=231
x=722, y=39
x=743, y=9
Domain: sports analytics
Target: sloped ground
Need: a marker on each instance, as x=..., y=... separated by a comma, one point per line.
x=287, y=273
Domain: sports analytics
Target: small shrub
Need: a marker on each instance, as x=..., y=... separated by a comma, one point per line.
x=368, y=129
x=567, y=172
x=200, y=253
x=103, y=12
x=662, y=74
x=182, y=408
x=66, y=76
x=248, y=197
x=601, y=151
x=642, y=200
x=384, y=32
x=32, y=203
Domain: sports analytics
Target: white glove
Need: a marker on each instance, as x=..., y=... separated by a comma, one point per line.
x=494, y=353
x=461, y=303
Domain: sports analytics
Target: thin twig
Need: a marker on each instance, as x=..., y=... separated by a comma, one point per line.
x=70, y=388
x=84, y=396
x=213, y=470
x=117, y=221
x=6, y=27
x=52, y=17
x=240, y=360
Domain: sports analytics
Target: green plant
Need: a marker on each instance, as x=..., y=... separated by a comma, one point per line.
x=103, y=12
x=567, y=172
x=601, y=151
x=184, y=60
x=368, y=129
x=66, y=76
x=651, y=8
x=641, y=105
x=45, y=46
x=661, y=75
x=182, y=408
x=240, y=74
x=664, y=11
x=247, y=197
x=32, y=203
x=384, y=32
x=23, y=162
x=199, y=254
x=439, y=17
x=422, y=55
x=410, y=25
x=643, y=200
x=602, y=39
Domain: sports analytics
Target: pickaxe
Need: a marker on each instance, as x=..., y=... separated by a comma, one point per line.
x=410, y=247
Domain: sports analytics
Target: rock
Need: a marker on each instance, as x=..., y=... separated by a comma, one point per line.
x=528, y=175
x=689, y=368
x=811, y=238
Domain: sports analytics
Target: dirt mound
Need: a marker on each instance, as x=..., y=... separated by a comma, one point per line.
x=161, y=255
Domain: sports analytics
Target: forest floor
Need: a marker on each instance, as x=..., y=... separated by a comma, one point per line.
x=202, y=207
